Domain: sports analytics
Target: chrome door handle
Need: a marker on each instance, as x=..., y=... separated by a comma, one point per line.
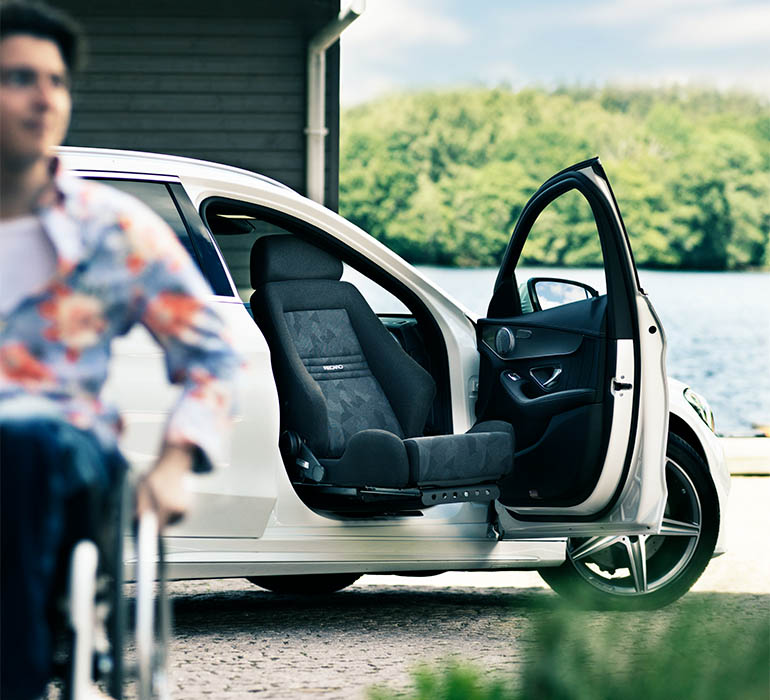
x=548, y=382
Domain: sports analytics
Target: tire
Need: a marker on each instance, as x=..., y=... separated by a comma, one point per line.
x=310, y=584
x=604, y=578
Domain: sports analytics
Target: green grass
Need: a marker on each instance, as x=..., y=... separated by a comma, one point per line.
x=455, y=682
x=687, y=653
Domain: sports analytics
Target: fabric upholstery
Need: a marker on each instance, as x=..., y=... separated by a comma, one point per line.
x=447, y=460
x=332, y=356
x=278, y=258
x=372, y=458
x=348, y=388
x=408, y=388
x=493, y=426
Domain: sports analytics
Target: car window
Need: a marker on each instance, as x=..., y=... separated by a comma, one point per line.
x=383, y=303
x=563, y=246
x=235, y=233
x=156, y=196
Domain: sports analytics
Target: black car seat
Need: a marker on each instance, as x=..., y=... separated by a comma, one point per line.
x=352, y=397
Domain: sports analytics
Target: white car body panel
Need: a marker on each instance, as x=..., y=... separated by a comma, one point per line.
x=247, y=519
x=236, y=499
x=712, y=450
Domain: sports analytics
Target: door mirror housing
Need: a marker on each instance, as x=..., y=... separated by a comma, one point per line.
x=549, y=292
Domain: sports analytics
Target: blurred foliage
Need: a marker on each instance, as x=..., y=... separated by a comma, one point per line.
x=689, y=652
x=457, y=682
x=441, y=177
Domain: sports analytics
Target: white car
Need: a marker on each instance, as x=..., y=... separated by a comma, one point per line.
x=422, y=439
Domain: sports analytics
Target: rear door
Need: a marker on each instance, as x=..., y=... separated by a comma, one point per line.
x=236, y=499
x=577, y=368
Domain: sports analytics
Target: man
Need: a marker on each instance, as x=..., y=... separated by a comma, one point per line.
x=79, y=265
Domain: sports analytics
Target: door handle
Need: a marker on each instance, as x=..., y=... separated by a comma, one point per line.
x=526, y=407
x=545, y=384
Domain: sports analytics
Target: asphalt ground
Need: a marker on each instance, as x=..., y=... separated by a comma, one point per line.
x=233, y=640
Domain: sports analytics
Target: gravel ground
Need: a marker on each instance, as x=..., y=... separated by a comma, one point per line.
x=233, y=640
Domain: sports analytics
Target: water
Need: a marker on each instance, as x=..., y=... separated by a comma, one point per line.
x=717, y=326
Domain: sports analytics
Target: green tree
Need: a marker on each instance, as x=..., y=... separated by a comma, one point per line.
x=441, y=177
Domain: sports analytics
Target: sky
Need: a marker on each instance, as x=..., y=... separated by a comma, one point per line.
x=398, y=45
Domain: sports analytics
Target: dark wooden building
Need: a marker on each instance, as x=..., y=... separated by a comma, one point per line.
x=224, y=81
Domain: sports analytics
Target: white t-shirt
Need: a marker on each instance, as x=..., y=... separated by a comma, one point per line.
x=27, y=260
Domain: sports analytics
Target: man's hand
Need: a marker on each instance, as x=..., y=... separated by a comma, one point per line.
x=163, y=489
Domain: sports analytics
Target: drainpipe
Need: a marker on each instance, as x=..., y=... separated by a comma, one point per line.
x=316, y=98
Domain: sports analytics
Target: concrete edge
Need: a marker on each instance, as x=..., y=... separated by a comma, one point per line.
x=749, y=456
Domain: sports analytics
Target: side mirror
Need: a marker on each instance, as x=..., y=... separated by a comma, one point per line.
x=548, y=292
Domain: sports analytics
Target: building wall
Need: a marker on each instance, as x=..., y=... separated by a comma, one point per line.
x=223, y=81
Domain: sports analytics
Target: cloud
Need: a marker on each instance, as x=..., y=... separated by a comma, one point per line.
x=624, y=12
x=724, y=27
x=360, y=85
x=380, y=48
x=690, y=24
x=411, y=44
x=389, y=25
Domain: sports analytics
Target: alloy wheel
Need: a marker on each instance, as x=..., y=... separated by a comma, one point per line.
x=638, y=564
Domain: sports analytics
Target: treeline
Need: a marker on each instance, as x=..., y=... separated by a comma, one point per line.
x=441, y=177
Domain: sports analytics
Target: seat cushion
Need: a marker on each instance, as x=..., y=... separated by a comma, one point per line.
x=378, y=458
x=455, y=460
x=372, y=458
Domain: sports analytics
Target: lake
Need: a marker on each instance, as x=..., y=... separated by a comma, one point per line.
x=717, y=326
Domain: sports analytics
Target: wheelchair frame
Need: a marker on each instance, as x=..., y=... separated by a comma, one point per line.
x=97, y=629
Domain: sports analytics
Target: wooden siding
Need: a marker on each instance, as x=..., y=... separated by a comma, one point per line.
x=220, y=81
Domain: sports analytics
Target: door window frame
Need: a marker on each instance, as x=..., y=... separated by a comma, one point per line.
x=205, y=253
x=622, y=322
x=433, y=338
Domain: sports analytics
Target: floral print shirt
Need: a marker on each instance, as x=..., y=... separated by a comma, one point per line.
x=118, y=264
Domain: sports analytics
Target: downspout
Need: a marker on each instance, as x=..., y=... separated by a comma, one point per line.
x=316, y=130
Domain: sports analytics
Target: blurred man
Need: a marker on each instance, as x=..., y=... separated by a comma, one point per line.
x=80, y=264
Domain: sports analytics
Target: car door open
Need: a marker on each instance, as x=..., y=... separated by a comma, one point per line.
x=580, y=374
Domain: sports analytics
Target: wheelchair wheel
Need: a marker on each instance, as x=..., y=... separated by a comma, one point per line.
x=114, y=668
x=153, y=613
x=96, y=609
x=82, y=617
x=98, y=614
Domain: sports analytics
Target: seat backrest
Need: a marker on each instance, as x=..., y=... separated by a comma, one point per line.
x=337, y=368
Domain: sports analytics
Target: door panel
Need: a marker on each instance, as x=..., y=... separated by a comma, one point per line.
x=546, y=379
x=569, y=379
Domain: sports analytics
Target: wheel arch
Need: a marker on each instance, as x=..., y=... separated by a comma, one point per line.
x=680, y=428
x=707, y=447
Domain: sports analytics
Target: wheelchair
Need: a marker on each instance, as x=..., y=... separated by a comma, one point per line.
x=92, y=659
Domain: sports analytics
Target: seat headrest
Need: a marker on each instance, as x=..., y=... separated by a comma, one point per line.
x=278, y=258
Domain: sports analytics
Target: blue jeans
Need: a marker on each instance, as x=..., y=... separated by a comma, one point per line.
x=54, y=485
